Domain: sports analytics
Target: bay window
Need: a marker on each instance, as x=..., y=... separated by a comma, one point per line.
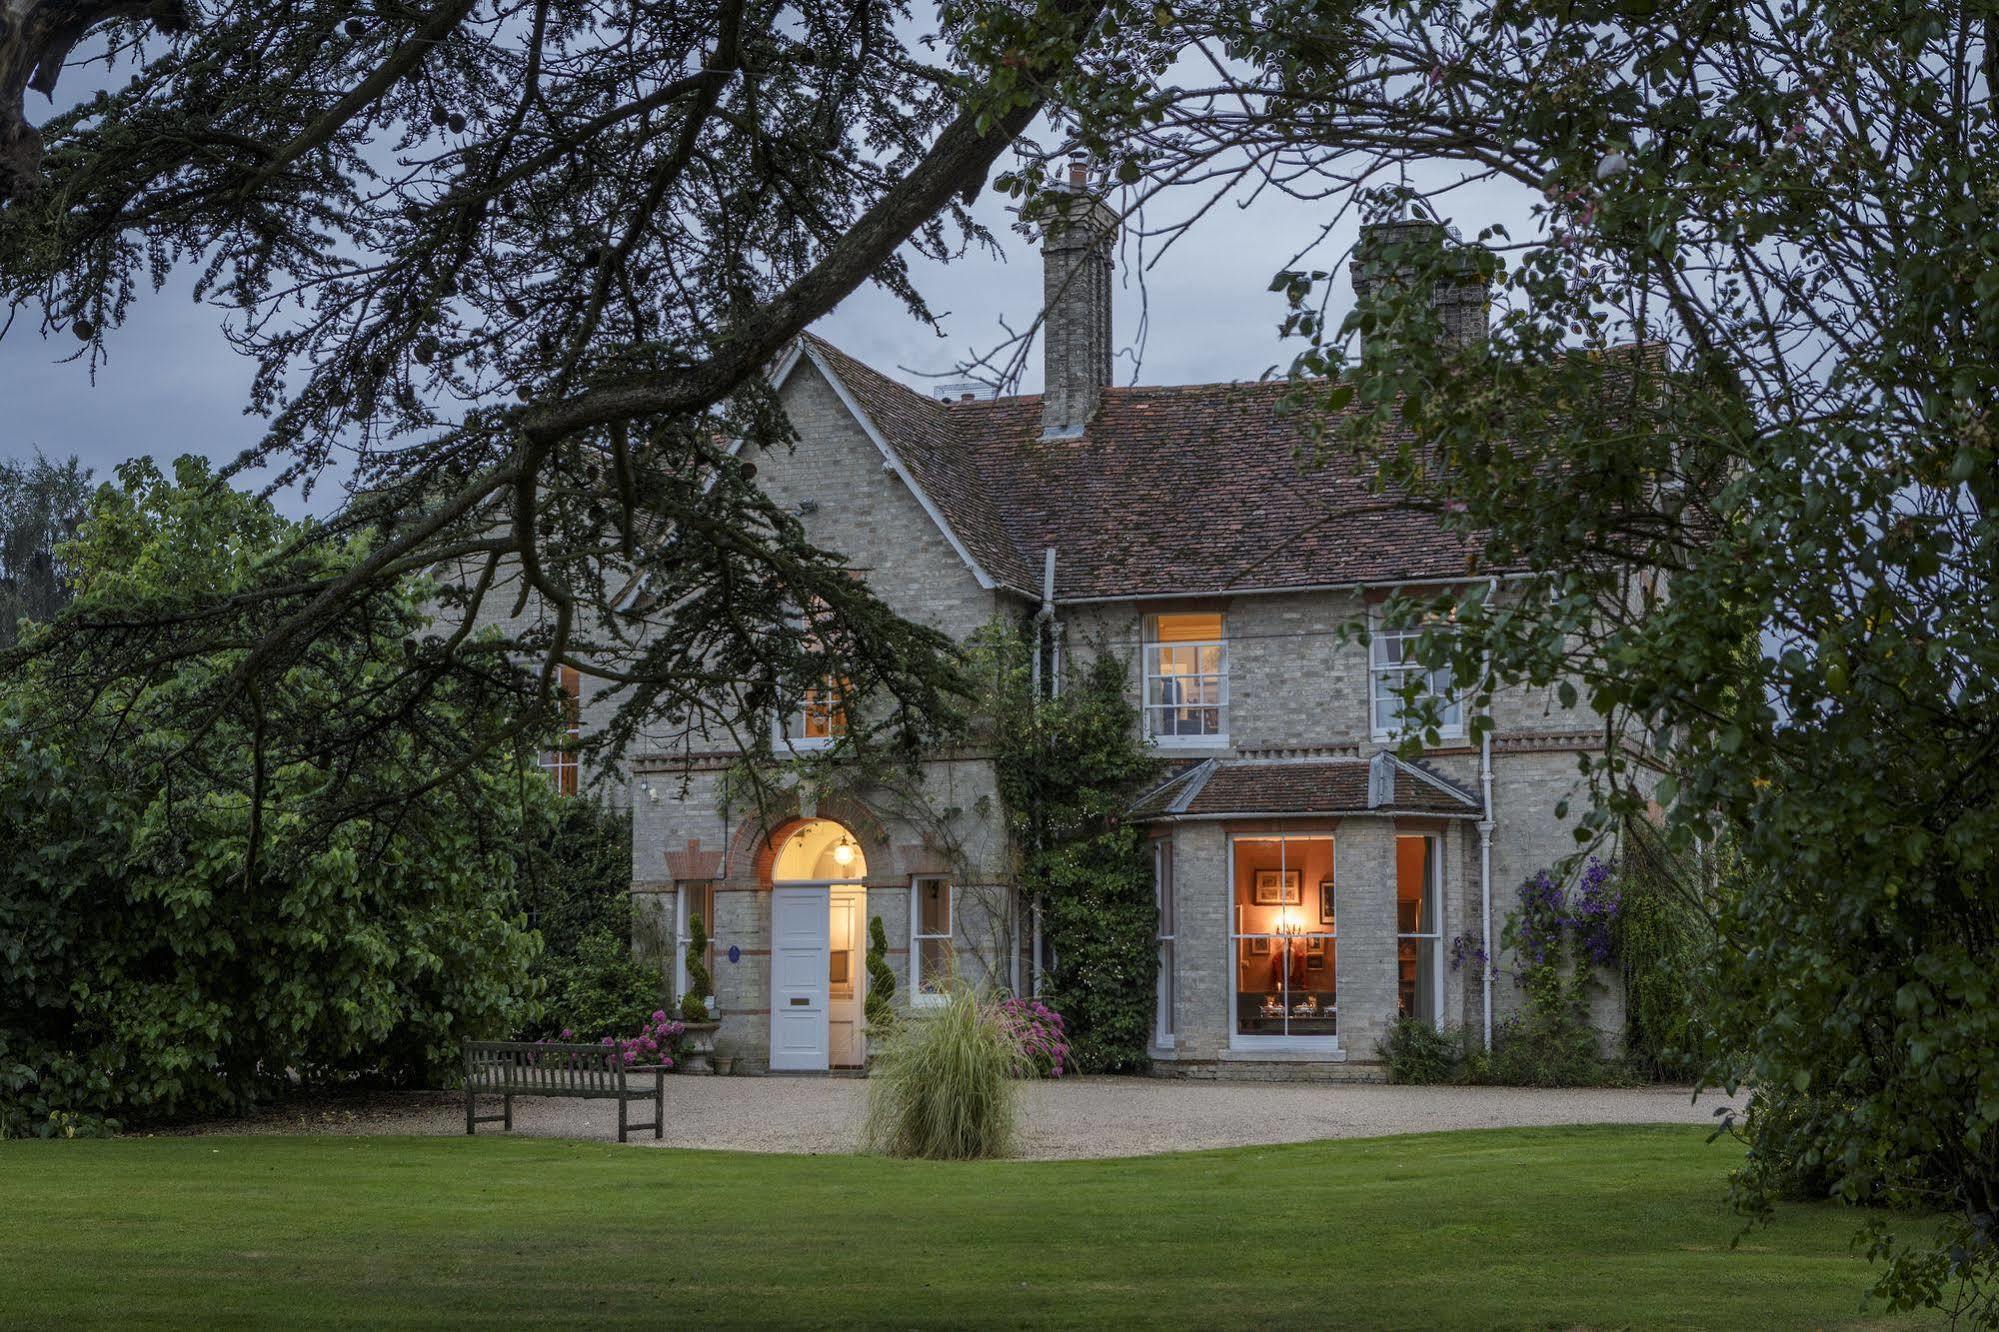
x=1284, y=942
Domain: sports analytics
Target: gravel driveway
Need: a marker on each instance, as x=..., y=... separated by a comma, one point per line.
x=1076, y=1117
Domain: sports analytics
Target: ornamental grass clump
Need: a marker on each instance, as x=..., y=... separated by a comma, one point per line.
x=944, y=1083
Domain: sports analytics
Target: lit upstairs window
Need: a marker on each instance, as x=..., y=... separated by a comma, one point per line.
x=819, y=721
x=1186, y=680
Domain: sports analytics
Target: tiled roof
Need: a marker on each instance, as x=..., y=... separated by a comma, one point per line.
x=1190, y=489
x=926, y=438
x=1334, y=786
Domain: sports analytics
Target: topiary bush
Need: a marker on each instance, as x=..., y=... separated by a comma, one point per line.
x=693, y=1004
x=881, y=979
x=944, y=1085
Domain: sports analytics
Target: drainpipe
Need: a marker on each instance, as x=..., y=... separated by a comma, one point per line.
x=1485, y=850
x=1044, y=619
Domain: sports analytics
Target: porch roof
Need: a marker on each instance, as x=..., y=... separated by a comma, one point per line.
x=1246, y=788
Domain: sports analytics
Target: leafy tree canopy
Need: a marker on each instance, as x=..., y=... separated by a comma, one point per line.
x=187, y=930
x=40, y=505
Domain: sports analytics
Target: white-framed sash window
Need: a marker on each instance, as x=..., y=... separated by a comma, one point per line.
x=1392, y=665
x=1419, y=927
x=932, y=959
x=1187, y=680
x=1283, y=943
x=693, y=898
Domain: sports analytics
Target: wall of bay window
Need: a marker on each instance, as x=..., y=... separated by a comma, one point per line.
x=1285, y=940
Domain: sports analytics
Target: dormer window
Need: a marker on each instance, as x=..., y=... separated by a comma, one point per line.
x=1186, y=680
x=1393, y=663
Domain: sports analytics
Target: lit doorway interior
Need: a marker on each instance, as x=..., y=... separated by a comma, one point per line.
x=818, y=985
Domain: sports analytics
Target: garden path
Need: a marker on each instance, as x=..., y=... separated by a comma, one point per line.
x=1072, y=1118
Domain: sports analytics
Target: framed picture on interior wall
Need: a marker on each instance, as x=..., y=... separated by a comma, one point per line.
x=1258, y=947
x=1315, y=945
x=1315, y=961
x=1277, y=887
x=1325, y=901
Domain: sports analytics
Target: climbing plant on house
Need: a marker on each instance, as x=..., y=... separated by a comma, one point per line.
x=1067, y=767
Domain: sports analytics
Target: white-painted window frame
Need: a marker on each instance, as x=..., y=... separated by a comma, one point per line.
x=918, y=997
x=1433, y=936
x=1384, y=679
x=1287, y=1044
x=1150, y=672
x=683, y=899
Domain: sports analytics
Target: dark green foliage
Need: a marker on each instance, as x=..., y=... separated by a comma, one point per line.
x=601, y=990
x=172, y=949
x=1538, y=1049
x=1068, y=767
x=40, y=505
x=699, y=986
x=1417, y=1053
x=578, y=895
x=881, y=978
x=1664, y=938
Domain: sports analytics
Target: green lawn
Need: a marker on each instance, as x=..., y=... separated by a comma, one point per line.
x=1557, y=1228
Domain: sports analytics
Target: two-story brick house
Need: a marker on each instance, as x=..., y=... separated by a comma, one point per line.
x=1309, y=883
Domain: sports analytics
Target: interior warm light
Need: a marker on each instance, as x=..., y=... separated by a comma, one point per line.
x=843, y=853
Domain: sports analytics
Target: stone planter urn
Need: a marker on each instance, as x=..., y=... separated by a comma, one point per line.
x=697, y=1046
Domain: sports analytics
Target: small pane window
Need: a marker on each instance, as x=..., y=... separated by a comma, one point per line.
x=1186, y=679
x=1394, y=664
x=562, y=762
x=697, y=902
x=931, y=952
x=819, y=720
x=1162, y=891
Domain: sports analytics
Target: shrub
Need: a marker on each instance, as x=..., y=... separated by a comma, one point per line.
x=693, y=1004
x=1044, y=1036
x=1419, y=1054
x=1532, y=1051
x=944, y=1085
x=881, y=979
x=604, y=989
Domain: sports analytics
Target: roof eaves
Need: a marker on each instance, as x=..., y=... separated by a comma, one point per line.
x=895, y=464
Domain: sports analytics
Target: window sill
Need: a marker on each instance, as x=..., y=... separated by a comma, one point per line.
x=1290, y=1052
x=1161, y=1054
x=1189, y=742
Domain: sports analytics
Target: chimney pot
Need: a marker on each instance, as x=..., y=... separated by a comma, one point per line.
x=1461, y=298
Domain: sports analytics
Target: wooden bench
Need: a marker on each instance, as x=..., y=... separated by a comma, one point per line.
x=536, y=1068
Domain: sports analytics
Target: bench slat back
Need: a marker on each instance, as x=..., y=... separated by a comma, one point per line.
x=543, y=1067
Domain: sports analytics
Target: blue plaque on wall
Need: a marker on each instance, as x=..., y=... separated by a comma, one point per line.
x=735, y=953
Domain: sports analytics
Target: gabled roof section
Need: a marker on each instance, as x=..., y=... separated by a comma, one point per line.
x=919, y=439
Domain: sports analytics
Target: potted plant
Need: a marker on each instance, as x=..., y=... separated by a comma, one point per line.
x=697, y=1006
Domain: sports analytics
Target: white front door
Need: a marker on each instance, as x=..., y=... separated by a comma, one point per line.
x=799, y=940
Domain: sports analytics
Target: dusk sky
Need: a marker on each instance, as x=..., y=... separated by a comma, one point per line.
x=172, y=385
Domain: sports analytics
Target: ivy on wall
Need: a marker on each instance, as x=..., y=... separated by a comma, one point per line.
x=1067, y=768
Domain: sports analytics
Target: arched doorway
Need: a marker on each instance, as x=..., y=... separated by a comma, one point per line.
x=818, y=914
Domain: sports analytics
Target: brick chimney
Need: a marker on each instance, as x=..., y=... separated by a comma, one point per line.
x=1076, y=305
x=1461, y=298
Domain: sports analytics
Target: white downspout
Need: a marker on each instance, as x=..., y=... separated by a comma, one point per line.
x=1485, y=854
x=1044, y=624
x=1044, y=619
